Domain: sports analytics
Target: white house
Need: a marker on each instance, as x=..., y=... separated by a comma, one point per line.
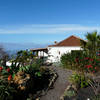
x=54, y=52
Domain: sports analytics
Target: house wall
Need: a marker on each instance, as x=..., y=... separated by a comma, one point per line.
x=43, y=54
x=54, y=53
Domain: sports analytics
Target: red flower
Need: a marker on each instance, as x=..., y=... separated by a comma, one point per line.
x=9, y=77
x=86, y=66
x=76, y=59
x=89, y=66
x=1, y=68
x=8, y=69
x=95, y=68
x=91, y=59
x=98, y=54
x=86, y=58
x=93, y=71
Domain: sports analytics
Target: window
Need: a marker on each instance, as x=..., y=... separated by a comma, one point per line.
x=59, y=52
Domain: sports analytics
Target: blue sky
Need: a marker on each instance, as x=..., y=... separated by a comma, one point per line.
x=45, y=21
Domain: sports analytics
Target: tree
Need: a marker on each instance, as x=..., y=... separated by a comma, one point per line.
x=93, y=43
x=3, y=56
x=23, y=58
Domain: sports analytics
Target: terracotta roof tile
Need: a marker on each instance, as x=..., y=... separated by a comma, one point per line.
x=70, y=41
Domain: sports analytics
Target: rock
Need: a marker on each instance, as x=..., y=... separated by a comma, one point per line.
x=75, y=87
x=62, y=98
x=66, y=95
x=68, y=87
x=37, y=99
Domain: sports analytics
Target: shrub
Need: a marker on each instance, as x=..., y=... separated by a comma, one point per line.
x=32, y=68
x=67, y=60
x=87, y=64
x=77, y=52
x=23, y=58
x=79, y=80
x=82, y=62
x=6, y=90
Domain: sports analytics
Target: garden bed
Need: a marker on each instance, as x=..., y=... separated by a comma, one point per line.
x=26, y=78
x=27, y=86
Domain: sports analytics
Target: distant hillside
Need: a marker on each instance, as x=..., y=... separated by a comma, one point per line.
x=13, y=47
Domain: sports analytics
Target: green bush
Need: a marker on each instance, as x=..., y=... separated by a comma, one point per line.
x=80, y=80
x=68, y=60
x=6, y=90
x=77, y=52
x=23, y=58
x=25, y=63
x=80, y=61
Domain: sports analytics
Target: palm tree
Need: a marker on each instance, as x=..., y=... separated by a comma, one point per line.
x=98, y=45
x=83, y=44
x=92, y=44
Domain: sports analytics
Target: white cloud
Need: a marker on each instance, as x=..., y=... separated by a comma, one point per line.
x=47, y=29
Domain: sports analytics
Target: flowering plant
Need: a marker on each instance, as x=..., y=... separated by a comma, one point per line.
x=1, y=68
x=6, y=73
x=87, y=64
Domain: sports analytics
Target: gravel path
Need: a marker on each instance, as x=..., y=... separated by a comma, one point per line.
x=60, y=84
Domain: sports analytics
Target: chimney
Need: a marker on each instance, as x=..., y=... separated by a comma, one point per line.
x=55, y=42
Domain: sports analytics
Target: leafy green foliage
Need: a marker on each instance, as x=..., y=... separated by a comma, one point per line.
x=68, y=60
x=93, y=43
x=31, y=66
x=38, y=74
x=6, y=90
x=23, y=58
x=80, y=61
x=79, y=80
